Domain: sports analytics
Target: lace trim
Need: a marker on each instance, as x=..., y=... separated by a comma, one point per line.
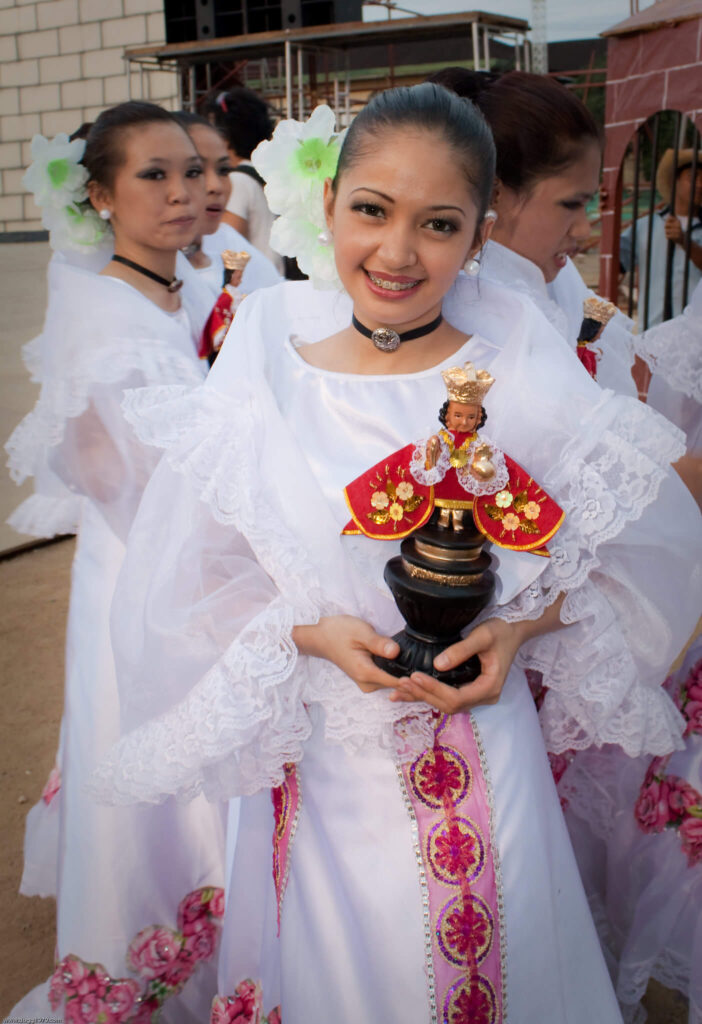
x=69, y=396
x=599, y=698
x=673, y=350
x=471, y=484
x=239, y=726
x=31, y=357
x=42, y=516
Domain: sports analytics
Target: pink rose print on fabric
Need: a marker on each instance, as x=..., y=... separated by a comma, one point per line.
x=693, y=713
x=153, y=951
x=652, y=811
x=681, y=796
x=201, y=939
x=691, y=837
x=163, y=958
x=52, y=787
x=202, y=903
x=173, y=979
x=244, y=1007
x=274, y=1016
x=146, y=1011
x=121, y=999
x=91, y=994
x=217, y=903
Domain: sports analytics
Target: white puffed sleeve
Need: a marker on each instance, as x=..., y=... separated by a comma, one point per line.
x=221, y=564
x=673, y=349
x=77, y=433
x=623, y=558
x=100, y=337
x=234, y=543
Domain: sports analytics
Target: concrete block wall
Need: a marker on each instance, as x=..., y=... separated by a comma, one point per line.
x=61, y=63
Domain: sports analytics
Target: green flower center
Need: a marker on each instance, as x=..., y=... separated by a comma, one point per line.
x=58, y=171
x=314, y=159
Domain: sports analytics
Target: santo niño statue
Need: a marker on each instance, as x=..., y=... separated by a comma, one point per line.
x=444, y=497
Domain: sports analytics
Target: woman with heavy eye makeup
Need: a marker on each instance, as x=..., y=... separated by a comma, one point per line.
x=215, y=235
x=138, y=889
x=401, y=855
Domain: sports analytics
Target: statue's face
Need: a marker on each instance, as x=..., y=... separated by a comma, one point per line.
x=462, y=418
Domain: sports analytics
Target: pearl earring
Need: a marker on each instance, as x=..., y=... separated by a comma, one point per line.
x=105, y=214
x=324, y=238
x=491, y=215
x=471, y=266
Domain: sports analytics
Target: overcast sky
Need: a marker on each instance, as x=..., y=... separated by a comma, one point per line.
x=566, y=19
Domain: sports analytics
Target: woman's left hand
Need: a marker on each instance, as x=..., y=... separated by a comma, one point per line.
x=495, y=642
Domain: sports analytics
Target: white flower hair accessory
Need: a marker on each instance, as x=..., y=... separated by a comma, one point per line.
x=57, y=179
x=76, y=227
x=295, y=163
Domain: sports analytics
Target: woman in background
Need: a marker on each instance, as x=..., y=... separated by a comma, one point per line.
x=138, y=897
x=244, y=120
x=205, y=251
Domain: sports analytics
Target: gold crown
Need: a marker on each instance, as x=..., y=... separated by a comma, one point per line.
x=466, y=384
x=599, y=310
x=235, y=260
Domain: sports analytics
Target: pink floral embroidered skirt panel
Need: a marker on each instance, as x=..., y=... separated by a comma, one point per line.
x=443, y=890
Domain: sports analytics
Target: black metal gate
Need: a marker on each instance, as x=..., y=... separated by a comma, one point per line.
x=655, y=268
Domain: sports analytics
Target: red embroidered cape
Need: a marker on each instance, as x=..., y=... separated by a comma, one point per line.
x=387, y=503
x=218, y=323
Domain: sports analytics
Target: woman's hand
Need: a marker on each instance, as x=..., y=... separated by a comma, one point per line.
x=495, y=642
x=348, y=642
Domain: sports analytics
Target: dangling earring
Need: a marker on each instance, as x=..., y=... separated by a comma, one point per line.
x=105, y=214
x=324, y=238
x=471, y=266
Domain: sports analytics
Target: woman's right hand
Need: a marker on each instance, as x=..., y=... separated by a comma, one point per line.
x=349, y=642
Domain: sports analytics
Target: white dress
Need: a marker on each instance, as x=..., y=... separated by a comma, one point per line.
x=673, y=350
x=124, y=870
x=252, y=477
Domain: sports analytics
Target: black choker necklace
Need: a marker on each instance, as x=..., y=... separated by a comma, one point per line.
x=388, y=340
x=173, y=285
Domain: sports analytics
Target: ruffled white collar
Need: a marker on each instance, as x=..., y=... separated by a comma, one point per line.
x=506, y=267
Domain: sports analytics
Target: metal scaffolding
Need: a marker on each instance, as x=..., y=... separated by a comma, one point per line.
x=342, y=64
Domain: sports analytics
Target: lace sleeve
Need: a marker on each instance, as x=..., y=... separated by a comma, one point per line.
x=213, y=693
x=673, y=349
x=75, y=442
x=613, y=558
